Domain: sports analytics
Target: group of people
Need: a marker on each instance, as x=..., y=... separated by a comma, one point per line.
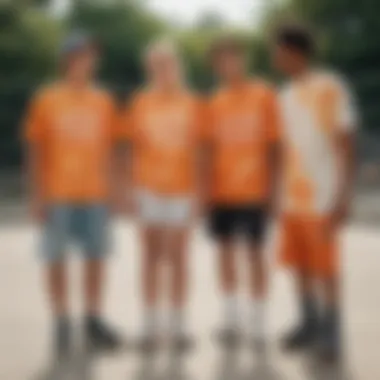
x=245, y=155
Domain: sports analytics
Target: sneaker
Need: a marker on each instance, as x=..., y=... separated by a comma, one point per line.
x=329, y=354
x=258, y=343
x=228, y=336
x=62, y=338
x=181, y=342
x=329, y=346
x=147, y=343
x=99, y=336
x=300, y=338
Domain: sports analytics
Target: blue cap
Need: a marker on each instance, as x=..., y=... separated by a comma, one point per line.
x=75, y=42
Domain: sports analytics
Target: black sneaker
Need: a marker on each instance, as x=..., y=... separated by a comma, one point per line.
x=259, y=344
x=300, y=338
x=329, y=354
x=329, y=345
x=99, y=336
x=228, y=336
x=62, y=338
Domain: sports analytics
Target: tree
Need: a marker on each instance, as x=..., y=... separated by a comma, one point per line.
x=27, y=40
x=123, y=29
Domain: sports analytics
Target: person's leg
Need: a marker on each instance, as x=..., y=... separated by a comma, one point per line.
x=255, y=225
x=222, y=224
x=299, y=244
x=57, y=288
x=90, y=226
x=55, y=236
x=151, y=238
x=331, y=320
x=178, y=259
x=228, y=282
x=93, y=286
x=222, y=228
x=258, y=292
x=329, y=273
x=306, y=330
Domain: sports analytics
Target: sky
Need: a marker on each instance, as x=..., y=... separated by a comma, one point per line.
x=235, y=12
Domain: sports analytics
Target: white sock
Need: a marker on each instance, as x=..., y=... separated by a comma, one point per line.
x=177, y=323
x=231, y=311
x=150, y=322
x=257, y=320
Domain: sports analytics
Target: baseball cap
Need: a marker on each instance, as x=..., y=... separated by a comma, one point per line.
x=76, y=42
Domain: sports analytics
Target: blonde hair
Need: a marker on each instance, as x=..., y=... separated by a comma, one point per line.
x=168, y=48
x=162, y=45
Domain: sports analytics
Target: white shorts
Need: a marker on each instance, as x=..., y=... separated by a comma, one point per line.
x=156, y=209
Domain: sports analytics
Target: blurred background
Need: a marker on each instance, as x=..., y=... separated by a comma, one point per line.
x=30, y=32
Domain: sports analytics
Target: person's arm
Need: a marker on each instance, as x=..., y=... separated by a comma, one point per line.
x=118, y=181
x=204, y=159
x=274, y=149
x=34, y=157
x=346, y=125
x=345, y=145
x=275, y=159
x=35, y=180
x=129, y=184
x=204, y=176
x=120, y=165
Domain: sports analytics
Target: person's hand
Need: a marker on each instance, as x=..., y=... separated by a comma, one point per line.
x=201, y=207
x=272, y=208
x=130, y=205
x=123, y=205
x=340, y=214
x=118, y=206
x=38, y=210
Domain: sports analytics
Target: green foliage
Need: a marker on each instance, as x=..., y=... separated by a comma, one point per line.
x=123, y=29
x=30, y=35
x=27, y=42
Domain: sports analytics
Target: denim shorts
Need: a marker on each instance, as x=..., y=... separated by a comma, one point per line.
x=83, y=224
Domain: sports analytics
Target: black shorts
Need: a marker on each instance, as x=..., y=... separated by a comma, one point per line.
x=247, y=221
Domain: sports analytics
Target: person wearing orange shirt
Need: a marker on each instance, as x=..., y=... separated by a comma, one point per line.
x=164, y=124
x=242, y=137
x=71, y=130
x=319, y=119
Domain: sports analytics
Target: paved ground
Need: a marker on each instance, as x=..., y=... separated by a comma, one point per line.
x=24, y=318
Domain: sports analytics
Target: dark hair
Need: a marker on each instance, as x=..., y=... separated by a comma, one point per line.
x=298, y=38
x=227, y=44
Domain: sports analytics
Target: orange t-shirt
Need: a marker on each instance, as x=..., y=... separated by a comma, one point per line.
x=165, y=131
x=243, y=125
x=75, y=132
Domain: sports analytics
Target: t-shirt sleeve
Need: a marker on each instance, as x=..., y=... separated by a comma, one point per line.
x=34, y=126
x=346, y=108
x=273, y=115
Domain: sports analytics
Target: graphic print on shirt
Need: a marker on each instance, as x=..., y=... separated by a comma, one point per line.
x=244, y=125
x=164, y=131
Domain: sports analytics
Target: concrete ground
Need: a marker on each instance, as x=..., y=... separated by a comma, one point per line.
x=24, y=316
